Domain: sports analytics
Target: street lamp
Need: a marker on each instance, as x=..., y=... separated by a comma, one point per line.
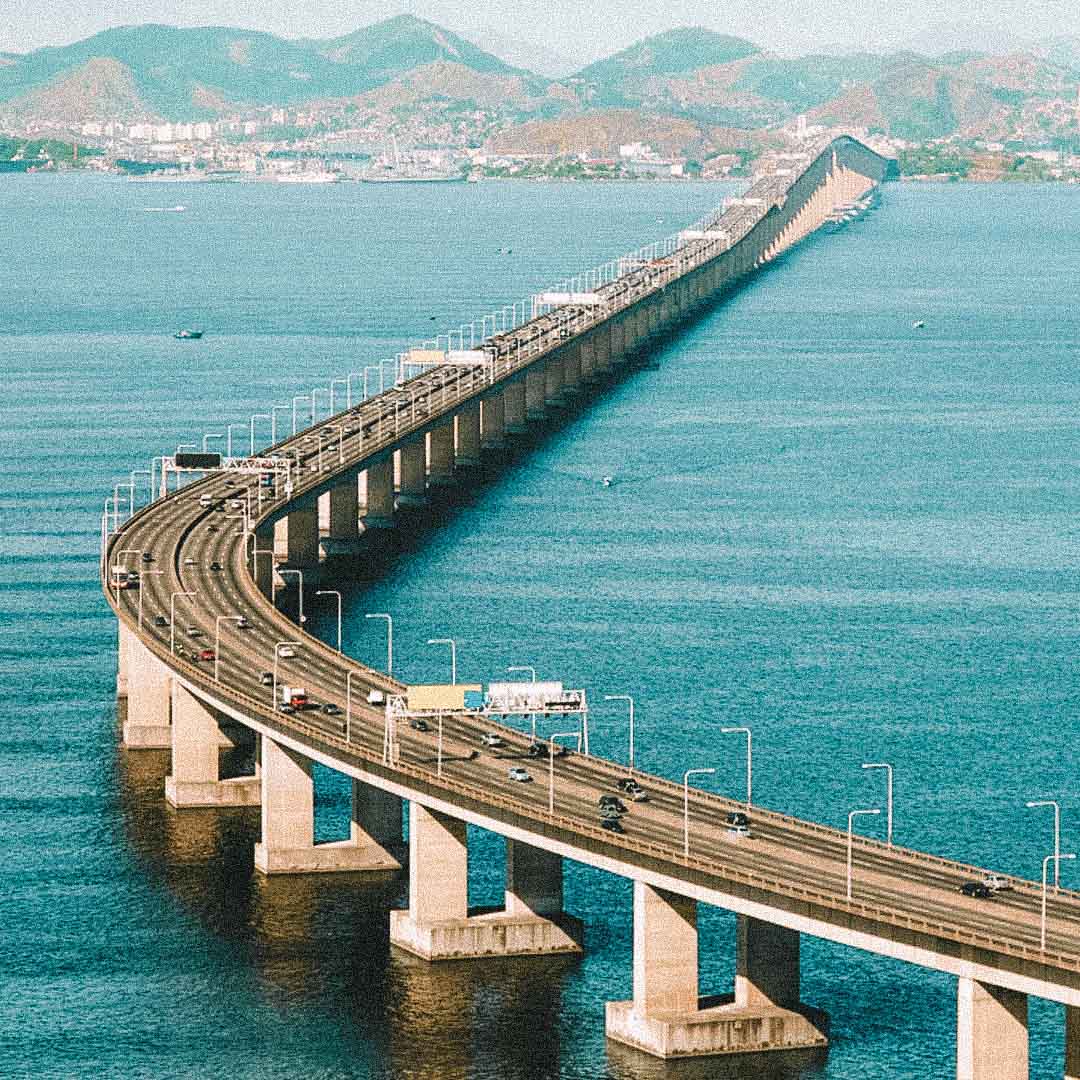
x=274, y=410
x=334, y=592
x=212, y=435
x=116, y=501
x=300, y=575
x=228, y=438
x=370, y=367
x=348, y=387
x=218, y=620
x=142, y=574
x=277, y=655
x=1055, y=859
x=888, y=796
x=850, y=825
x=749, y=758
x=314, y=403
x=299, y=397
x=338, y=382
x=1057, y=833
x=551, y=763
x=389, y=638
x=172, y=616
x=627, y=698
x=453, y=655
x=251, y=430
x=686, y=805
x=141, y=472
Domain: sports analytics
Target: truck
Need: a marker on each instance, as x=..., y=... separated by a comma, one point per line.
x=296, y=696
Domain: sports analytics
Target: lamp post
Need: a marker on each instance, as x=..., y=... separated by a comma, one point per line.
x=300, y=575
x=532, y=675
x=218, y=620
x=274, y=410
x=142, y=574
x=256, y=551
x=334, y=592
x=686, y=805
x=116, y=501
x=370, y=367
x=850, y=826
x=348, y=387
x=453, y=655
x=277, y=656
x=251, y=430
x=338, y=382
x=298, y=397
x=749, y=758
x=1057, y=833
x=551, y=763
x=630, y=700
x=314, y=403
x=228, y=438
x=211, y=435
x=141, y=472
x=1055, y=859
x=888, y=796
x=389, y=638
x=172, y=616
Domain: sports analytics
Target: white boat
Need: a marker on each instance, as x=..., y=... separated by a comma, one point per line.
x=313, y=176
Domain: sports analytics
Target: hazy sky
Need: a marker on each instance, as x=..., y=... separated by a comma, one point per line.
x=579, y=29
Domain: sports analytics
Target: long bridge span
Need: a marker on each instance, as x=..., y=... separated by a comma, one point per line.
x=203, y=569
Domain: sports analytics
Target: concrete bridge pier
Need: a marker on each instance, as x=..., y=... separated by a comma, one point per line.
x=535, y=387
x=303, y=536
x=441, y=455
x=587, y=360
x=668, y=1019
x=438, y=925
x=553, y=381
x=379, y=505
x=514, y=408
x=262, y=569
x=344, y=524
x=148, y=690
x=991, y=1032
x=571, y=371
x=492, y=422
x=619, y=346
x=467, y=452
x=412, y=474
x=602, y=346
x=195, y=779
x=1072, y=1042
x=288, y=843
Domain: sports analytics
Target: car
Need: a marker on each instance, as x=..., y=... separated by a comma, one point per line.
x=417, y=723
x=266, y=678
x=330, y=709
x=160, y=620
x=613, y=803
x=194, y=631
x=189, y=561
x=147, y=556
x=996, y=883
x=543, y=750
x=286, y=652
x=631, y=788
x=519, y=775
x=236, y=504
x=491, y=738
x=612, y=824
x=230, y=483
x=212, y=527
x=286, y=708
x=205, y=654
x=242, y=623
x=976, y=889
x=215, y=565
x=738, y=824
x=376, y=697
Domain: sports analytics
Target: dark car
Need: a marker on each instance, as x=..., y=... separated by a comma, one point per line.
x=542, y=750
x=612, y=802
x=267, y=678
x=160, y=620
x=612, y=824
x=331, y=709
x=286, y=708
x=419, y=724
x=147, y=556
x=630, y=787
x=976, y=889
x=215, y=565
x=738, y=824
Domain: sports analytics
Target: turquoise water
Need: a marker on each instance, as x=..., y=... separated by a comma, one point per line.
x=855, y=537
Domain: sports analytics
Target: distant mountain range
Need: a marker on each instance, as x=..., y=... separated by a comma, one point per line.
x=685, y=84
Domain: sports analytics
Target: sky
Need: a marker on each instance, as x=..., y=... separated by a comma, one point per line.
x=579, y=30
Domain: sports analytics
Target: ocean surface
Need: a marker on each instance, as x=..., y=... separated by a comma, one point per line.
x=858, y=538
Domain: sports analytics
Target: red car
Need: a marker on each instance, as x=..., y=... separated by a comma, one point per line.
x=205, y=654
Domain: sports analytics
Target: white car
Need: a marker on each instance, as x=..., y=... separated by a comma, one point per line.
x=376, y=697
x=519, y=774
x=491, y=738
x=996, y=883
x=286, y=652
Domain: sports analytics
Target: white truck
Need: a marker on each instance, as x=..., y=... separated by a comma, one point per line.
x=296, y=696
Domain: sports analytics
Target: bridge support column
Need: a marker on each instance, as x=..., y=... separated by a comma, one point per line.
x=467, y=454
x=288, y=824
x=345, y=510
x=441, y=455
x=514, y=408
x=438, y=926
x=149, y=694
x=412, y=486
x=603, y=345
x=535, y=386
x=572, y=370
x=587, y=360
x=617, y=347
x=194, y=779
x=124, y=639
x=1072, y=1042
x=304, y=536
x=492, y=422
x=379, y=508
x=263, y=566
x=553, y=381
x=991, y=1032
x=666, y=1018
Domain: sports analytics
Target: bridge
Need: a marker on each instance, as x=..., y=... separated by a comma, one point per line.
x=204, y=653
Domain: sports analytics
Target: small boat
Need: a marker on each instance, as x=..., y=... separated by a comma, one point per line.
x=188, y=335
x=607, y=481
x=918, y=324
